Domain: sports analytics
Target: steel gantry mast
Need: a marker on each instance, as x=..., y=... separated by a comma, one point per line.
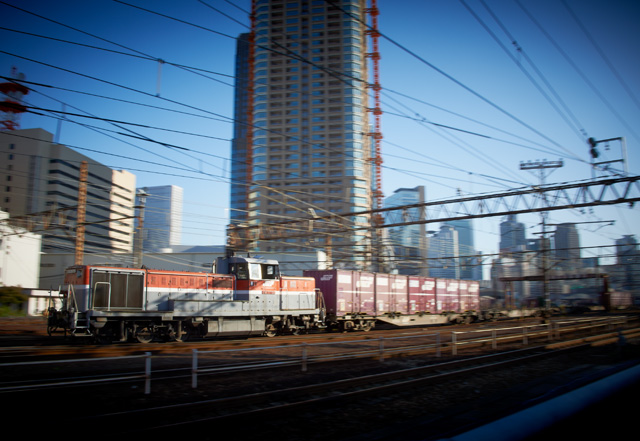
x=525, y=200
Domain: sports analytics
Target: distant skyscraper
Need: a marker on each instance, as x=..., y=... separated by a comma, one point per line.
x=239, y=179
x=469, y=262
x=408, y=241
x=310, y=140
x=162, y=217
x=443, y=253
x=512, y=236
x=627, y=250
x=567, y=246
x=627, y=268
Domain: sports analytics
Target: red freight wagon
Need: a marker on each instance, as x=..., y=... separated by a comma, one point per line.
x=463, y=295
x=354, y=299
x=441, y=294
x=345, y=292
x=365, y=286
x=422, y=295
x=453, y=295
x=447, y=295
x=349, y=297
x=383, y=294
x=469, y=295
x=399, y=294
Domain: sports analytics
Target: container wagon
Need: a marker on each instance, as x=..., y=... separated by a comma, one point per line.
x=356, y=300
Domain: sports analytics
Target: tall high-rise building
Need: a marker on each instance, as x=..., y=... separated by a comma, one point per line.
x=626, y=271
x=512, y=235
x=310, y=146
x=239, y=170
x=444, y=258
x=42, y=177
x=567, y=246
x=407, y=241
x=162, y=217
x=470, y=264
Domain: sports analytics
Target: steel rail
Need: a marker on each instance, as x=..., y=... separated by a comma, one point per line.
x=280, y=402
x=146, y=374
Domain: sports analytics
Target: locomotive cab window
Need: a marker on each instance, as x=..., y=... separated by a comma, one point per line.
x=240, y=270
x=269, y=271
x=254, y=271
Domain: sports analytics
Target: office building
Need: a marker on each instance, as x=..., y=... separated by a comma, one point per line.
x=626, y=271
x=470, y=264
x=239, y=160
x=162, y=217
x=512, y=235
x=567, y=246
x=40, y=190
x=407, y=241
x=444, y=257
x=310, y=144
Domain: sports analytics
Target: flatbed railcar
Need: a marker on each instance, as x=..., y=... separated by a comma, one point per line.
x=357, y=300
x=243, y=296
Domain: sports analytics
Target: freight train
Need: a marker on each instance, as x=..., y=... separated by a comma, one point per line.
x=246, y=296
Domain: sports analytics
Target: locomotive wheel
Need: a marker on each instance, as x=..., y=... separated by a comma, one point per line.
x=270, y=330
x=175, y=336
x=144, y=335
x=103, y=336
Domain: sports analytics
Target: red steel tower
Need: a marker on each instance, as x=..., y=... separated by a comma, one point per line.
x=374, y=55
x=11, y=105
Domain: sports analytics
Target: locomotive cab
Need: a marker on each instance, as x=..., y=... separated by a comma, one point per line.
x=248, y=268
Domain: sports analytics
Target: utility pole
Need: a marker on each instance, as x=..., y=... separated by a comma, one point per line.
x=542, y=166
x=82, y=212
x=593, y=143
x=142, y=198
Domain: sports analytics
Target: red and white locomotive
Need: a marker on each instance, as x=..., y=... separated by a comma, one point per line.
x=243, y=296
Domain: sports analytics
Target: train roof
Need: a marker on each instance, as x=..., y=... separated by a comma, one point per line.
x=239, y=259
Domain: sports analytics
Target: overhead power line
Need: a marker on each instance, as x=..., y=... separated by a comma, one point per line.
x=528, y=200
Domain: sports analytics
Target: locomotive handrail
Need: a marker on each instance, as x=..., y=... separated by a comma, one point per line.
x=146, y=374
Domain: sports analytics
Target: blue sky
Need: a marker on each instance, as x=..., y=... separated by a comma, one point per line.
x=440, y=65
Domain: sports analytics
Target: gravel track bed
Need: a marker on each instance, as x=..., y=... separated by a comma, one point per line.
x=431, y=412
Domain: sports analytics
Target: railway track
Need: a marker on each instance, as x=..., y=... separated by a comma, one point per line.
x=327, y=402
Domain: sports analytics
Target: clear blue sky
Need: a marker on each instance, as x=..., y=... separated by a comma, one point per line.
x=443, y=66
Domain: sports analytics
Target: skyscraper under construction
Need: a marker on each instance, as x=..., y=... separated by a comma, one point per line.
x=308, y=150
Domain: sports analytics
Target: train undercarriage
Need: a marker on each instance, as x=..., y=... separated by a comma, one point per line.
x=105, y=329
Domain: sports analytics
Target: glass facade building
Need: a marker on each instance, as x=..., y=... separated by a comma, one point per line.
x=162, y=217
x=239, y=170
x=408, y=241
